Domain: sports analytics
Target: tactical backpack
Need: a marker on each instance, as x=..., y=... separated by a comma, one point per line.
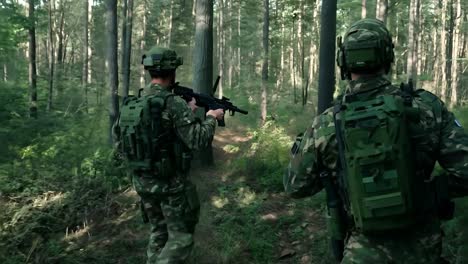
x=376, y=155
x=144, y=137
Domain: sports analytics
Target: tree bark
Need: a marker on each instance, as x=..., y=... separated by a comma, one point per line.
x=111, y=61
x=171, y=25
x=221, y=45
x=51, y=58
x=143, y=42
x=203, y=60
x=443, y=51
x=455, y=55
x=363, y=9
x=84, y=81
x=410, y=59
x=5, y=72
x=32, y=61
x=266, y=47
x=127, y=48
x=327, y=54
x=382, y=10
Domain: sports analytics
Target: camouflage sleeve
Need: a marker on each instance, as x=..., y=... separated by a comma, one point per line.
x=453, y=154
x=192, y=131
x=301, y=178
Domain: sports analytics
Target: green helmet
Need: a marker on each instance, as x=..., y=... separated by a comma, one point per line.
x=367, y=46
x=161, y=59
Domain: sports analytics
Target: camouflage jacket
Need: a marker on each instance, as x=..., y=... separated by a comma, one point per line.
x=436, y=137
x=193, y=132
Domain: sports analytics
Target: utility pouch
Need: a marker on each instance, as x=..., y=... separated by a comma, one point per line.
x=164, y=165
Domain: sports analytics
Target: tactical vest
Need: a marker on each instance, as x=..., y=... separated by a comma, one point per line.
x=146, y=141
x=377, y=158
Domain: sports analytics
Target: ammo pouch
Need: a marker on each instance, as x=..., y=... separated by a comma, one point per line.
x=183, y=157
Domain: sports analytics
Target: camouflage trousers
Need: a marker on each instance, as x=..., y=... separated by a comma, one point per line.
x=422, y=244
x=173, y=214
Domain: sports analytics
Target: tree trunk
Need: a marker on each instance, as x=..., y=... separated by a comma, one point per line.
x=221, y=46
x=51, y=58
x=32, y=61
x=171, y=25
x=443, y=51
x=410, y=59
x=84, y=81
x=280, y=78
x=230, y=49
x=60, y=35
x=127, y=48
x=239, y=41
x=111, y=61
x=327, y=54
x=266, y=31
x=363, y=9
x=143, y=43
x=455, y=55
x=203, y=60
x=5, y=72
x=382, y=10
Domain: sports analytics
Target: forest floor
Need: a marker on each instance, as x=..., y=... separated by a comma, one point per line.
x=239, y=222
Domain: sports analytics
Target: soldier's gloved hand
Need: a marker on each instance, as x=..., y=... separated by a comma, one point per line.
x=193, y=104
x=218, y=113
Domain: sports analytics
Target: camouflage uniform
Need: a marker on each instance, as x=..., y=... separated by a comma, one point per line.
x=436, y=137
x=172, y=205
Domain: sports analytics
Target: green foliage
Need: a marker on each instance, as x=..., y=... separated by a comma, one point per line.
x=267, y=157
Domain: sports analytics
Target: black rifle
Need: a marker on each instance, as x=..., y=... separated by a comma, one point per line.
x=208, y=102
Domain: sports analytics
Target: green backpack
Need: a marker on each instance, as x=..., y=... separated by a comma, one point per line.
x=143, y=135
x=376, y=154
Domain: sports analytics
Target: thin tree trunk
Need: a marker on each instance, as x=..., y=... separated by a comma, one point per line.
x=280, y=79
x=90, y=41
x=363, y=9
x=51, y=58
x=171, y=25
x=382, y=10
x=266, y=31
x=127, y=49
x=84, y=81
x=456, y=41
x=32, y=61
x=443, y=53
x=60, y=34
x=451, y=24
x=410, y=59
x=239, y=41
x=111, y=61
x=230, y=49
x=221, y=46
x=5, y=72
x=143, y=43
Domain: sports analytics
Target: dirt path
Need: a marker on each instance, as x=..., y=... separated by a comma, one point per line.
x=239, y=222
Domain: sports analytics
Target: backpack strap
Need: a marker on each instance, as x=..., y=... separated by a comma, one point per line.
x=341, y=162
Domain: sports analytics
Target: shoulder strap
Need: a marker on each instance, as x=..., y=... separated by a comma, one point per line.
x=341, y=162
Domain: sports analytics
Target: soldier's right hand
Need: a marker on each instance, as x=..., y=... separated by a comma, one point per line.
x=218, y=113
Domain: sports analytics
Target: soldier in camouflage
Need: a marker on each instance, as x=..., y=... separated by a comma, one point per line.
x=435, y=135
x=170, y=202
